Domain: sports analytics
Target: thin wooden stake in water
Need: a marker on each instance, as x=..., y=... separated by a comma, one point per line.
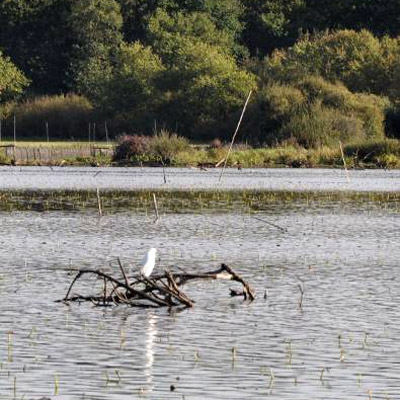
x=99, y=202
x=155, y=207
x=123, y=272
x=234, y=135
x=10, y=346
x=344, y=162
x=56, y=384
x=301, y=296
x=90, y=125
x=163, y=171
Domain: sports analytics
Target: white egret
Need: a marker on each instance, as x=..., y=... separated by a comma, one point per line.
x=148, y=262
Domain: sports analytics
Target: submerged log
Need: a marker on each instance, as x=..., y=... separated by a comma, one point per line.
x=162, y=290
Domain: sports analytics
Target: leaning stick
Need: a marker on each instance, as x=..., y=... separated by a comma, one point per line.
x=270, y=223
x=156, y=207
x=301, y=296
x=248, y=291
x=185, y=300
x=234, y=135
x=123, y=272
x=99, y=202
x=176, y=294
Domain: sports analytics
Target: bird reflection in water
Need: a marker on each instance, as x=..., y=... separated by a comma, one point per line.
x=151, y=333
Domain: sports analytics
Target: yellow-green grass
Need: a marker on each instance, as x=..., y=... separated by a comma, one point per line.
x=186, y=200
x=368, y=154
x=67, y=144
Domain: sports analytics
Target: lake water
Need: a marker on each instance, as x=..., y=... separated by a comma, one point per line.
x=186, y=178
x=341, y=344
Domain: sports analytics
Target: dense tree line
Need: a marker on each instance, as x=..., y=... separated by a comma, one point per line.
x=189, y=64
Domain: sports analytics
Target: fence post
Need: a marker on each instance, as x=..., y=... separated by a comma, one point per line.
x=106, y=130
x=15, y=130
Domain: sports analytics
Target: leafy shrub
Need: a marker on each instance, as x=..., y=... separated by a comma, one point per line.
x=130, y=146
x=313, y=112
x=372, y=150
x=320, y=126
x=164, y=146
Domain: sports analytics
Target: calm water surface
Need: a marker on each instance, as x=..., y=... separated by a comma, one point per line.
x=186, y=178
x=343, y=343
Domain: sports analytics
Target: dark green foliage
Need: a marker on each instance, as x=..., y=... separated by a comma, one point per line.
x=35, y=34
x=270, y=24
x=184, y=65
x=378, y=16
x=392, y=122
x=96, y=26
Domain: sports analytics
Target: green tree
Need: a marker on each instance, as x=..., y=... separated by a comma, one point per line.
x=136, y=14
x=270, y=24
x=35, y=34
x=96, y=27
x=202, y=82
x=12, y=80
x=226, y=15
x=167, y=32
x=362, y=61
x=381, y=17
x=131, y=87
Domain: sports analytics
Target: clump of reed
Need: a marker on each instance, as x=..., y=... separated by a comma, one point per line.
x=60, y=116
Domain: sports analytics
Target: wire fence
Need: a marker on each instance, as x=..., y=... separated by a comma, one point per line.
x=30, y=154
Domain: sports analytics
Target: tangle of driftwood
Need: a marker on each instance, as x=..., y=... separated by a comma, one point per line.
x=162, y=290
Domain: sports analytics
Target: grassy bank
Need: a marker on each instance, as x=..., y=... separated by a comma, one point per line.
x=370, y=154
x=181, y=201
